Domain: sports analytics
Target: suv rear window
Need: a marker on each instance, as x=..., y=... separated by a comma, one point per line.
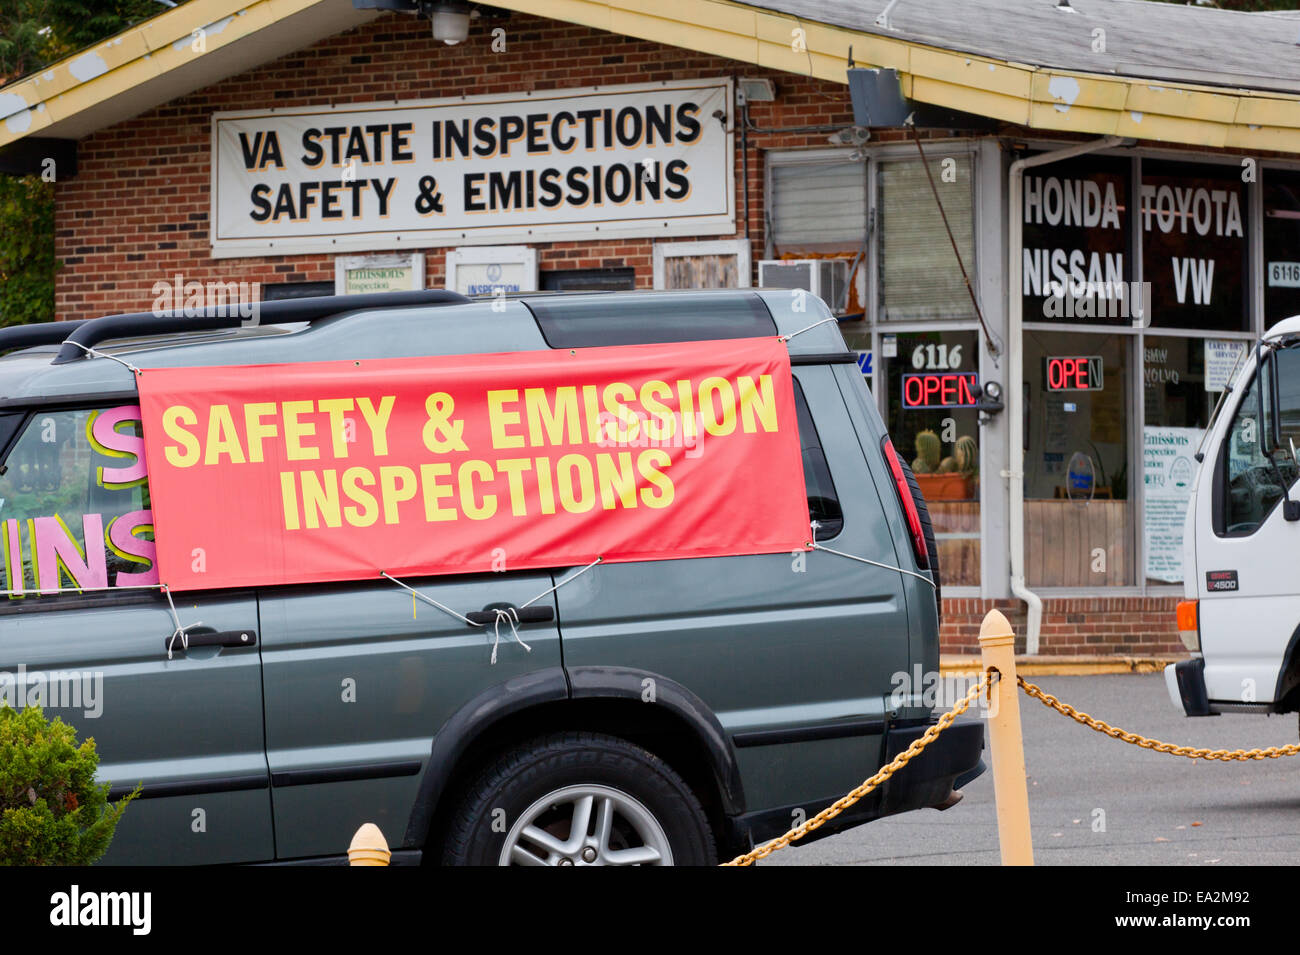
x=823, y=502
x=582, y=321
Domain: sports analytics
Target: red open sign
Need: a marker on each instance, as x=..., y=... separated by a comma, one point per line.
x=950, y=389
x=1083, y=373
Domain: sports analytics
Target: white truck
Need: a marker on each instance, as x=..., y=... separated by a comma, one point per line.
x=1241, y=545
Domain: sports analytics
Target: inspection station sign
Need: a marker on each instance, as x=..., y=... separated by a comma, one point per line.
x=617, y=161
x=328, y=471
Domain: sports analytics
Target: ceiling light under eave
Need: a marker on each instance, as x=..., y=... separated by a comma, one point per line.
x=451, y=22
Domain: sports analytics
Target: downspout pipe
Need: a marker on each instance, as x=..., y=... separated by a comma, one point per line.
x=1015, y=472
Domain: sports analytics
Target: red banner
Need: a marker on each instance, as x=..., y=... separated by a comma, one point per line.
x=297, y=473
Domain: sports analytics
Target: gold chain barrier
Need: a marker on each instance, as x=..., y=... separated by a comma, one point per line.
x=1191, y=752
x=844, y=802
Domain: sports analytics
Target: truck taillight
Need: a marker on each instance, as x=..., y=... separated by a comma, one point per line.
x=1189, y=624
x=909, y=505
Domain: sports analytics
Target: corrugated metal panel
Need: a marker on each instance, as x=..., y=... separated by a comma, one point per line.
x=819, y=207
x=918, y=272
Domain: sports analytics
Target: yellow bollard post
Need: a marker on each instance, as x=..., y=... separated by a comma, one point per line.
x=369, y=847
x=998, y=652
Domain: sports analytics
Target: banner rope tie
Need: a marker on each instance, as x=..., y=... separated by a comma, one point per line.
x=429, y=600
x=824, y=321
x=573, y=576
x=93, y=353
x=509, y=614
x=873, y=563
x=180, y=632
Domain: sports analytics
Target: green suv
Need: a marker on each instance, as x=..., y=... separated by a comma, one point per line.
x=669, y=712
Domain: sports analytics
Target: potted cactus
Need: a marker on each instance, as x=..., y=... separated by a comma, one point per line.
x=950, y=478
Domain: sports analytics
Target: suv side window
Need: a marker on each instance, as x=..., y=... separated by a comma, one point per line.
x=1256, y=473
x=74, y=503
x=823, y=503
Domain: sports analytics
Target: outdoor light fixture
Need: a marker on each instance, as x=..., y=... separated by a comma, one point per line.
x=988, y=400
x=451, y=21
x=755, y=90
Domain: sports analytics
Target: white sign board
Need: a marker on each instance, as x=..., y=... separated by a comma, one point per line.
x=1168, y=468
x=361, y=274
x=1221, y=357
x=492, y=270
x=616, y=161
x=1284, y=274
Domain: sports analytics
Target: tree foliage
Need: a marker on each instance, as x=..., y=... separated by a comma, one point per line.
x=27, y=263
x=33, y=34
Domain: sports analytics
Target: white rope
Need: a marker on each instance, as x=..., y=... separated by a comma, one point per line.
x=181, y=632
x=824, y=321
x=508, y=614
x=875, y=563
x=429, y=600
x=511, y=616
x=93, y=353
x=573, y=576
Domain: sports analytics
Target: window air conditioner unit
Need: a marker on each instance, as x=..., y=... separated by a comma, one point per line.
x=828, y=279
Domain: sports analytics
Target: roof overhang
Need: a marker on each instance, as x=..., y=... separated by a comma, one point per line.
x=157, y=61
x=161, y=59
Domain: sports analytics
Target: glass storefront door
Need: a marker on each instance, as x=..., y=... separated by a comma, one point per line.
x=930, y=412
x=1078, y=518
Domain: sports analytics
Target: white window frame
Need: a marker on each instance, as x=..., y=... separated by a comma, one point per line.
x=682, y=250
x=966, y=146
x=524, y=255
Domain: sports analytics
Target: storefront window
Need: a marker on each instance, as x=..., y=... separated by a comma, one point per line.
x=1076, y=265
x=1281, y=245
x=1194, y=220
x=818, y=211
x=818, y=207
x=1178, y=396
x=919, y=277
x=931, y=378
x=1078, y=518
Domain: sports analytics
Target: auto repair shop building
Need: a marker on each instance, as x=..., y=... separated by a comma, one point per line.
x=311, y=146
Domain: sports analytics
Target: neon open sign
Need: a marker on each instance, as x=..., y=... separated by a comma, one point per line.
x=949, y=389
x=1083, y=373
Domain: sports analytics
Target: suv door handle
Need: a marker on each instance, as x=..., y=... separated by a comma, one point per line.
x=222, y=638
x=525, y=615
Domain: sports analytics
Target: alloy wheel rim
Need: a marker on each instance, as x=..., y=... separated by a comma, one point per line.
x=586, y=824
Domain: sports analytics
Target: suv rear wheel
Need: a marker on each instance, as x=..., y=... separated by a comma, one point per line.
x=579, y=798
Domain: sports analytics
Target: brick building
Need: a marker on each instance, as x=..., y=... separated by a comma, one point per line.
x=1175, y=188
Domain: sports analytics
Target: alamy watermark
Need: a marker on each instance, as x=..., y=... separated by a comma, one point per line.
x=54, y=690
x=1098, y=301
x=934, y=690
x=193, y=298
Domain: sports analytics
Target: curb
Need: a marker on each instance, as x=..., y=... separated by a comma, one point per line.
x=1064, y=665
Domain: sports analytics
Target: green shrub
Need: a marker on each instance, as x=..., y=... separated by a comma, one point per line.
x=51, y=810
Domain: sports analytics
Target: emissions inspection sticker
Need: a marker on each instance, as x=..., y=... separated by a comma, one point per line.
x=1220, y=580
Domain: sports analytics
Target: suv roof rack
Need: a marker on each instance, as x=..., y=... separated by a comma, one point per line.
x=87, y=334
x=13, y=337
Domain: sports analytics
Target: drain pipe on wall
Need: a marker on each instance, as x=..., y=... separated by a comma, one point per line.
x=1015, y=473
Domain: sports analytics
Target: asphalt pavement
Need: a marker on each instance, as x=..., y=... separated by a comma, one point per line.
x=1098, y=801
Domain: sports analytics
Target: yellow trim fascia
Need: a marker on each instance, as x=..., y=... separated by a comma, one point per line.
x=143, y=52
x=1049, y=99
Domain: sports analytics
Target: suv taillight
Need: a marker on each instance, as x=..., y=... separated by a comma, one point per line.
x=909, y=505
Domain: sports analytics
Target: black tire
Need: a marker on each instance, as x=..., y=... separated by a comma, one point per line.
x=931, y=548
x=523, y=777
